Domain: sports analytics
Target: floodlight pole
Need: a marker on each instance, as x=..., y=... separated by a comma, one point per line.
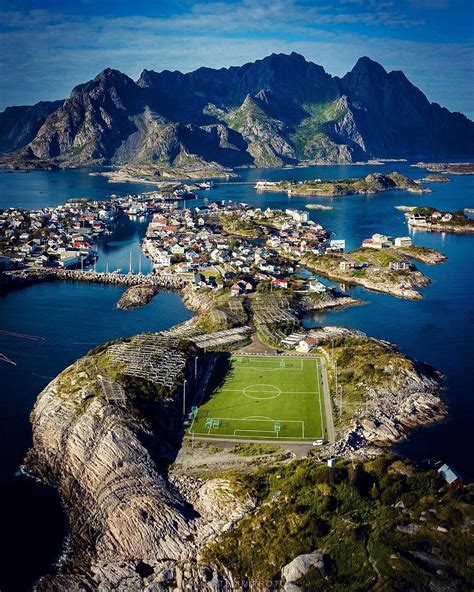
x=340, y=402
x=184, y=396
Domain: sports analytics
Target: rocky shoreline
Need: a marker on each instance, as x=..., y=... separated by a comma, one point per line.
x=135, y=523
x=404, y=288
x=373, y=183
x=131, y=528
x=452, y=168
x=330, y=300
x=443, y=227
x=423, y=255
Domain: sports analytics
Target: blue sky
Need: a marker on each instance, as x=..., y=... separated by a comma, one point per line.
x=47, y=47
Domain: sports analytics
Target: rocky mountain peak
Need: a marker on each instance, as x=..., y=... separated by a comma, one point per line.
x=104, y=81
x=366, y=73
x=281, y=108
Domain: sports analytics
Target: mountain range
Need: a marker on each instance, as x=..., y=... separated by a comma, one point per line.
x=272, y=112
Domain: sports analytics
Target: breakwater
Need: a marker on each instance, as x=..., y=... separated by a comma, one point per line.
x=26, y=277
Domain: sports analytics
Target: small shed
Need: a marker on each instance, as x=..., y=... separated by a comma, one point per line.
x=452, y=478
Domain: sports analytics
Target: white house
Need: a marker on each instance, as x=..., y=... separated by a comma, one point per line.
x=162, y=259
x=403, y=241
x=297, y=215
x=306, y=345
x=337, y=245
x=317, y=287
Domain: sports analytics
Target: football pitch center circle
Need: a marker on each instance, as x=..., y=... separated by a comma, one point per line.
x=262, y=391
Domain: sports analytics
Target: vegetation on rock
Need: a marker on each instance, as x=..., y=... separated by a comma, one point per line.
x=380, y=525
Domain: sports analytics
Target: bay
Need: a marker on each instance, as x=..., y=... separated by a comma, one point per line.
x=73, y=318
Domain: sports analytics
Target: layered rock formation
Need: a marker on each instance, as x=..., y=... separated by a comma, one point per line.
x=389, y=401
x=130, y=527
x=275, y=111
x=105, y=439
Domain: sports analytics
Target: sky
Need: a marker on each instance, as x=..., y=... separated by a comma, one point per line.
x=47, y=47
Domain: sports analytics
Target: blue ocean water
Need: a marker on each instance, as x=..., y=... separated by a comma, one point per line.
x=73, y=318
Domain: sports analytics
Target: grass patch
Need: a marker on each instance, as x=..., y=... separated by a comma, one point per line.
x=349, y=515
x=252, y=449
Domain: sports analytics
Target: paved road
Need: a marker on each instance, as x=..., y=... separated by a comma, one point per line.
x=327, y=402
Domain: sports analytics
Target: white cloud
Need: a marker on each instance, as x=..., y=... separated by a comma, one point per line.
x=43, y=55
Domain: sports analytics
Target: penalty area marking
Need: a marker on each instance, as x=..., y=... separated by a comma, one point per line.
x=257, y=364
x=255, y=431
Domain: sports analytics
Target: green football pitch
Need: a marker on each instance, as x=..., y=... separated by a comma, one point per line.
x=262, y=398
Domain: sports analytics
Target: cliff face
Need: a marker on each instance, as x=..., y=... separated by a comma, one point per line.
x=394, y=117
x=104, y=434
x=130, y=527
x=19, y=125
x=278, y=110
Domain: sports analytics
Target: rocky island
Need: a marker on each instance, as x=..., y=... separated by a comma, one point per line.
x=107, y=429
x=373, y=183
x=452, y=168
x=434, y=220
x=136, y=296
x=436, y=178
x=387, y=270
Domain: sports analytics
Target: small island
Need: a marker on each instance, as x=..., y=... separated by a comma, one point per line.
x=373, y=183
x=380, y=264
x=434, y=220
x=436, y=178
x=453, y=168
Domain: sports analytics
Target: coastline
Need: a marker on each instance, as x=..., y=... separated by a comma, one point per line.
x=124, y=509
x=442, y=228
x=440, y=366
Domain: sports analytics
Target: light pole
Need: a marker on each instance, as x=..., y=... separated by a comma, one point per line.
x=195, y=367
x=184, y=396
x=340, y=402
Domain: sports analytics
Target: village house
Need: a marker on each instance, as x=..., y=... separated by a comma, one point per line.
x=346, y=265
x=378, y=241
x=317, y=287
x=306, y=345
x=399, y=265
x=403, y=241
x=452, y=478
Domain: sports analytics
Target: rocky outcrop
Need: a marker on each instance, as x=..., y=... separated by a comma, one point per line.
x=281, y=109
x=408, y=397
x=299, y=567
x=332, y=299
x=451, y=168
x=198, y=301
x=401, y=285
x=19, y=125
x=435, y=178
x=131, y=528
x=423, y=254
x=373, y=183
x=136, y=296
